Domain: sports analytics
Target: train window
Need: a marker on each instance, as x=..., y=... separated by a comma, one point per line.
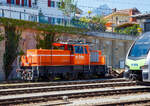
x=78, y=49
x=85, y=49
x=139, y=49
x=81, y=50
x=61, y=47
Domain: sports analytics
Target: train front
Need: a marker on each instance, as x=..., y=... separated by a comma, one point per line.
x=138, y=59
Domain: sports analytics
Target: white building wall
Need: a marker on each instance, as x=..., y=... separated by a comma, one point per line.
x=18, y=12
x=41, y=5
x=2, y=1
x=49, y=11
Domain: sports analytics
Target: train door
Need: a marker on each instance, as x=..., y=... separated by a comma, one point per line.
x=79, y=58
x=70, y=48
x=146, y=69
x=86, y=55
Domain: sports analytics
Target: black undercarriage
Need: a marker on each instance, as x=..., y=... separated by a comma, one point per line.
x=134, y=75
x=64, y=72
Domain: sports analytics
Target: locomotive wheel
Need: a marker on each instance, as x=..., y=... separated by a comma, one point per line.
x=51, y=77
x=68, y=76
x=75, y=76
x=71, y=76
x=86, y=76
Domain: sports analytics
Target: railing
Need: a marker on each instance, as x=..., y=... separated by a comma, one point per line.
x=18, y=15
x=48, y=20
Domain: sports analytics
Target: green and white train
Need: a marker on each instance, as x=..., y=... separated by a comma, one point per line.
x=137, y=65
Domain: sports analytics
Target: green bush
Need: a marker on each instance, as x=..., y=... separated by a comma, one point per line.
x=131, y=30
x=46, y=42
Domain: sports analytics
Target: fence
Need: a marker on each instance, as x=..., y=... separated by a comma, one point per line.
x=18, y=15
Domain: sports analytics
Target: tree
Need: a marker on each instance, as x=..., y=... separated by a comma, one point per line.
x=45, y=40
x=12, y=37
x=99, y=20
x=68, y=7
x=1, y=38
x=96, y=23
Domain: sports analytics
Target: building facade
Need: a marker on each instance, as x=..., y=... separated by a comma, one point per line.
x=144, y=21
x=45, y=11
x=119, y=17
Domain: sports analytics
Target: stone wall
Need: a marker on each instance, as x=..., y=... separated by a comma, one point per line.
x=114, y=50
x=2, y=50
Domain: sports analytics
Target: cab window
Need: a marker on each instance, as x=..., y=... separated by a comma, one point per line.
x=85, y=49
x=78, y=49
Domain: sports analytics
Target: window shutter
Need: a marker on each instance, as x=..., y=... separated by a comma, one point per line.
x=22, y=2
x=9, y=1
x=49, y=3
x=53, y=4
x=29, y=3
x=17, y=2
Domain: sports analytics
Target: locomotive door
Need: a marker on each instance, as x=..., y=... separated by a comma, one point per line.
x=146, y=69
x=79, y=58
x=70, y=47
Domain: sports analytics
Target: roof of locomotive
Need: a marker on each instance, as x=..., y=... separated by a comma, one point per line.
x=74, y=44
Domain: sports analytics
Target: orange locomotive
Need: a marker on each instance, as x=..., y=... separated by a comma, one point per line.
x=70, y=62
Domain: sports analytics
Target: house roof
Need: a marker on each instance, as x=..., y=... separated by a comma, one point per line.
x=125, y=12
x=139, y=16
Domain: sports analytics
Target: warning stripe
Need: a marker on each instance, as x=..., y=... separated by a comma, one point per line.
x=48, y=55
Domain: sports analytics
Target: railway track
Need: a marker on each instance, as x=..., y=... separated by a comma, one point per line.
x=139, y=102
x=64, y=87
x=72, y=95
x=25, y=93
x=24, y=85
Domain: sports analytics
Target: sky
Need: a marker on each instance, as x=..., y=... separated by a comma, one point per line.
x=142, y=5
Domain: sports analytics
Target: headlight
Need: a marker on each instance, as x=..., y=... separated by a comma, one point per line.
x=126, y=68
x=144, y=67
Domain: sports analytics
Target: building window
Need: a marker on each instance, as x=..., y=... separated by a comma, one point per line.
x=58, y=4
x=51, y=20
x=58, y=20
x=25, y=2
x=12, y=1
x=51, y=3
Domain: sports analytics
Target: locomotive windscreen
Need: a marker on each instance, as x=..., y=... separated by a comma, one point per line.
x=141, y=47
